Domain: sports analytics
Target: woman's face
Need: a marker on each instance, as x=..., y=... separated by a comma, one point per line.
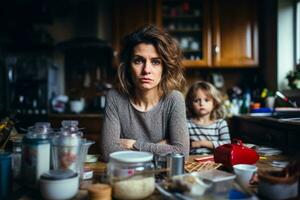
x=146, y=67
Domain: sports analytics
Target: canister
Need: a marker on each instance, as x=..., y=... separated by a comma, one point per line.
x=5, y=175
x=175, y=164
x=131, y=174
x=36, y=153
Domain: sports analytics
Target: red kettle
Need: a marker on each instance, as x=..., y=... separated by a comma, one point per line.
x=235, y=153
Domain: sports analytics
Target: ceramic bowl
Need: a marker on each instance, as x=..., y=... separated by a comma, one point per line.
x=59, y=187
x=276, y=185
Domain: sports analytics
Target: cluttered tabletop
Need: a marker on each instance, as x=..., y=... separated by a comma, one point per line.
x=198, y=170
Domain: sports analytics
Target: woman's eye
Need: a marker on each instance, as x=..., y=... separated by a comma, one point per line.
x=156, y=62
x=137, y=61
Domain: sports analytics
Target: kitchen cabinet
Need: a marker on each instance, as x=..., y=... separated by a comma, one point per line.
x=130, y=15
x=214, y=33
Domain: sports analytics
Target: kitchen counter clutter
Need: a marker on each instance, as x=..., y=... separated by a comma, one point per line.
x=163, y=191
x=267, y=131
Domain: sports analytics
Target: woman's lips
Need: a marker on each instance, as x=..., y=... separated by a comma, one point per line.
x=145, y=80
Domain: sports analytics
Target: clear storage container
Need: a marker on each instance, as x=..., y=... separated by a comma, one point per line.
x=130, y=174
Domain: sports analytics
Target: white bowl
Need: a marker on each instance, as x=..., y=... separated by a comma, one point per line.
x=59, y=189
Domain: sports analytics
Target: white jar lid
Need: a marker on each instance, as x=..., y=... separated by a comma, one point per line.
x=131, y=156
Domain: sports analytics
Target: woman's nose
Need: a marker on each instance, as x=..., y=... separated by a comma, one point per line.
x=147, y=67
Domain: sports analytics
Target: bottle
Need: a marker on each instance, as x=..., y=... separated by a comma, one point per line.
x=16, y=158
x=246, y=103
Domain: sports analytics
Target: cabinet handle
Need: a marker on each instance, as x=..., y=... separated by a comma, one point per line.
x=216, y=49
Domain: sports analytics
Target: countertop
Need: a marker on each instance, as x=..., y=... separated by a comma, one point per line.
x=268, y=120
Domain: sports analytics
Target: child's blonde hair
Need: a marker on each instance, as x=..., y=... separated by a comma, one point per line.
x=210, y=91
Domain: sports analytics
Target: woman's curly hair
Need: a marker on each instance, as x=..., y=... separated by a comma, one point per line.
x=210, y=91
x=169, y=52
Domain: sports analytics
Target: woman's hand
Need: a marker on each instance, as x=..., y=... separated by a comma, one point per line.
x=127, y=143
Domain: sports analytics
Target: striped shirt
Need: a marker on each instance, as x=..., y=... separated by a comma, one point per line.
x=217, y=133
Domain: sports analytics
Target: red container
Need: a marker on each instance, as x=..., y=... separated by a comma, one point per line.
x=235, y=153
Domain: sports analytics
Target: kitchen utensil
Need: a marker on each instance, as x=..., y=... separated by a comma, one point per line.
x=235, y=153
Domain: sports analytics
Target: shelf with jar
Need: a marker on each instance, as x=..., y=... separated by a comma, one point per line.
x=187, y=22
x=221, y=33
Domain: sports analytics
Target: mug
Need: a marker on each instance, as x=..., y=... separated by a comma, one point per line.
x=244, y=173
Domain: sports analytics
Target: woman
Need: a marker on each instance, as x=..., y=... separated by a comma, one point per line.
x=147, y=112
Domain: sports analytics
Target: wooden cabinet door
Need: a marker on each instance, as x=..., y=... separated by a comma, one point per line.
x=235, y=33
x=130, y=15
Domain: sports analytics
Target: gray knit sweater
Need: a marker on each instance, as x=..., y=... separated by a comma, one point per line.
x=165, y=121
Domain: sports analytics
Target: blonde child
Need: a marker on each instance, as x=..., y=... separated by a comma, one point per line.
x=206, y=124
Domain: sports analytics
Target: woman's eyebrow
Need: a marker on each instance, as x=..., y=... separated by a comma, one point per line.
x=154, y=58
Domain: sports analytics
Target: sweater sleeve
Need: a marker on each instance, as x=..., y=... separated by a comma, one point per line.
x=111, y=128
x=177, y=136
x=224, y=136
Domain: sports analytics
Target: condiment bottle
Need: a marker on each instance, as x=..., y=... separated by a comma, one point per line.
x=131, y=174
x=36, y=153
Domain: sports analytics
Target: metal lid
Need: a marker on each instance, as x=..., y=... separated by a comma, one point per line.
x=131, y=156
x=59, y=174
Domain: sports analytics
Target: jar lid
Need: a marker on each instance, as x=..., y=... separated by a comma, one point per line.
x=58, y=174
x=131, y=156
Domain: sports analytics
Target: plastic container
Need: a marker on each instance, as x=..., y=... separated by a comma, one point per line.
x=128, y=173
x=222, y=181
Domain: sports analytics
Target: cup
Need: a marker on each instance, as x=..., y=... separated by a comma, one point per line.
x=270, y=102
x=244, y=173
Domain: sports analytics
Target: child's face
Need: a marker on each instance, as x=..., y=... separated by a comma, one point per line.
x=202, y=104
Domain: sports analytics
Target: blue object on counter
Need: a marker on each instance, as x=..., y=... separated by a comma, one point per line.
x=5, y=175
x=236, y=194
x=261, y=110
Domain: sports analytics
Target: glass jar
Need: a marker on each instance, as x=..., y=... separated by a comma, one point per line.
x=66, y=147
x=36, y=153
x=130, y=174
